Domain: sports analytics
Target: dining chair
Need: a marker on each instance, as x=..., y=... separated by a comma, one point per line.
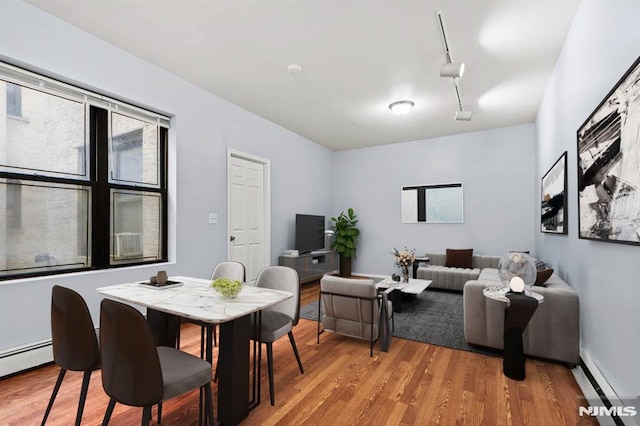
x=229, y=269
x=137, y=373
x=279, y=319
x=75, y=345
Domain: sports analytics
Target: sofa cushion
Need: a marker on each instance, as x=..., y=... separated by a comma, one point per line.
x=542, y=276
x=459, y=258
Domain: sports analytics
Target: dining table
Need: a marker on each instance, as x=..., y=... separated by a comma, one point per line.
x=193, y=298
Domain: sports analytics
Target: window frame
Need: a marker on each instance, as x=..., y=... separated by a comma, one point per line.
x=97, y=142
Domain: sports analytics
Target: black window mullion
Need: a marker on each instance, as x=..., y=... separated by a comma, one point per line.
x=100, y=212
x=164, y=141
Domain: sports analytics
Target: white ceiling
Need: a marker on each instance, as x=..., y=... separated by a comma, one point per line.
x=358, y=56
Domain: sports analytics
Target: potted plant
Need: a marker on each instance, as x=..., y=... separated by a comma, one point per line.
x=345, y=241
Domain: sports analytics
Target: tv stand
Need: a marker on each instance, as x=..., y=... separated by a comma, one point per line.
x=312, y=266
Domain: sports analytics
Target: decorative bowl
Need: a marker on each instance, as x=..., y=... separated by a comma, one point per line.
x=515, y=264
x=226, y=287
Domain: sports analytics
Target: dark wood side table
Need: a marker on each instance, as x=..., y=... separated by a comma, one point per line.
x=516, y=318
x=517, y=313
x=416, y=265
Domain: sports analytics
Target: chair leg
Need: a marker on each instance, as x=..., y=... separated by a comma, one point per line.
x=215, y=338
x=295, y=351
x=54, y=394
x=146, y=415
x=270, y=369
x=107, y=414
x=209, y=403
x=83, y=395
x=202, y=341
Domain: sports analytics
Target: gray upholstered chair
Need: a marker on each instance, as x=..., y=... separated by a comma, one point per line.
x=231, y=270
x=279, y=319
x=351, y=307
x=75, y=345
x=137, y=373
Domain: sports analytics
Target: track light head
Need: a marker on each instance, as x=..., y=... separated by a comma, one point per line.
x=464, y=115
x=452, y=70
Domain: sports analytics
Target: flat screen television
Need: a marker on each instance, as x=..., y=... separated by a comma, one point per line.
x=309, y=233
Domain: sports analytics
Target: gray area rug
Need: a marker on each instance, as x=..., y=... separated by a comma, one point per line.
x=434, y=317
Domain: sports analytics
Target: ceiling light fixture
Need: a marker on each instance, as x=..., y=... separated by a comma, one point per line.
x=461, y=115
x=453, y=71
x=294, y=69
x=401, y=107
x=448, y=69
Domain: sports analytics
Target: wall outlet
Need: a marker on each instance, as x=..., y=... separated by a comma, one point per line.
x=213, y=218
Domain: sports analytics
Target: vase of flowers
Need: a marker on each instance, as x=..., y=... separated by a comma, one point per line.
x=404, y=259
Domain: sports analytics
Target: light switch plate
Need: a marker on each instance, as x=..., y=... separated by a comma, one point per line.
x=213, y=218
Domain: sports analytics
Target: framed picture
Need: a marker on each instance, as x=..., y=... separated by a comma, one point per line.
x=553, y=216
x=433, y=203
x=609, y=165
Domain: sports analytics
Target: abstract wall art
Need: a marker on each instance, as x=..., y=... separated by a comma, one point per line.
x=609, y=165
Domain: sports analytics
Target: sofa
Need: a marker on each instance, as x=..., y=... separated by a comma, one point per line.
x=451, y=277
x=553, y=332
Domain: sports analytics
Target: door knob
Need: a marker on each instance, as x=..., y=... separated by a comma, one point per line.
x=232, y=238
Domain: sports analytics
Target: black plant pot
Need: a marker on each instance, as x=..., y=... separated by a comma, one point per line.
x=345, y=266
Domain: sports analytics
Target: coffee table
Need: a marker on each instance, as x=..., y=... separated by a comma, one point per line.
x=413, y=288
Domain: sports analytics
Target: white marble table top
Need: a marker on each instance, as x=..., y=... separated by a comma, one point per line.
x=414, y=286
x=195, y=299
x=500, y=294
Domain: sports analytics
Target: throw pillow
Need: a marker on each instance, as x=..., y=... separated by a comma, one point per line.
x=459, y=258
x=540, y=264
x=543, y=276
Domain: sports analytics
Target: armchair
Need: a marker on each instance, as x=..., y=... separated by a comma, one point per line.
x=353, y=307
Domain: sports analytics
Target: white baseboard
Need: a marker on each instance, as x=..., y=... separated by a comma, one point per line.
x=591, y=393
x=25, y=357
x=358, y=274
x=29, y=356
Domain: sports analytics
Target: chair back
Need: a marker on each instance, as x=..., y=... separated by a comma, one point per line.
x=231, y=270
x=285, y=279
x=131, y=371
x=349, y=299
x=75, y=345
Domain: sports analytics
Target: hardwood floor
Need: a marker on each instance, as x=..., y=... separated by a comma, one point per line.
x=414, y=383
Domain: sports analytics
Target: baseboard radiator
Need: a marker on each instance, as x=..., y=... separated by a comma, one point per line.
x=25, y=357
x=601, y=401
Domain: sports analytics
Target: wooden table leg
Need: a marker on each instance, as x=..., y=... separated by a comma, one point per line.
x=233, y=374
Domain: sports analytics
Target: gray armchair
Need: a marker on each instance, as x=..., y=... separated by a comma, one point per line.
x=353, y=307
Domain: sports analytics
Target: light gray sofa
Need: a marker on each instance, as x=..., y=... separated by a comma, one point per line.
x=552, y=333
x=453, y=278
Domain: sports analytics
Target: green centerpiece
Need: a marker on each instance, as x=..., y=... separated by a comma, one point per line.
x=226, y=287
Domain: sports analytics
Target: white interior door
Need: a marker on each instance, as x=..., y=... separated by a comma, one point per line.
x=248, y=209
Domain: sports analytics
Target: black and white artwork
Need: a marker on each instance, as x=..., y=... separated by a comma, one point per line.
x=609, y=165
x=553, y=217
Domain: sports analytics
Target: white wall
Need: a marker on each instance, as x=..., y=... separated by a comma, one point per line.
x=203, y=127
x=497, y=170
x=603, y=42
